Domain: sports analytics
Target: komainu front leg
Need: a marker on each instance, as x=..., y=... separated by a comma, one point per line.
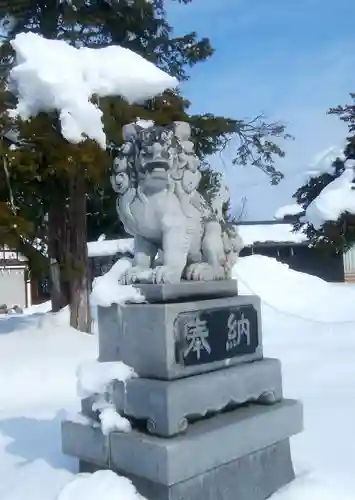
x=144, y=253
x=175, y=249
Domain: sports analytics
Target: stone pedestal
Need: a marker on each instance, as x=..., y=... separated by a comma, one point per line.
x=208, y=415
x=166, y=407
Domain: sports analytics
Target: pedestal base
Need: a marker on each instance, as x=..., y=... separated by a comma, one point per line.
x=252, y=477
x=244, y=452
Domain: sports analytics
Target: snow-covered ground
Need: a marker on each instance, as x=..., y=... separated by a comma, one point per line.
x=307, y=323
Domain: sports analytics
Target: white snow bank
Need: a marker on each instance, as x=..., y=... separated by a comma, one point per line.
x=39, y=356
x=103, y=485
x=311, y=487
x=43, y=308
x=110, y=247
x=294, y=293
x=262, y=233
x=52, y=75
x=293, y=209
x=107, y=290
x=337, y=198
x=94, y=377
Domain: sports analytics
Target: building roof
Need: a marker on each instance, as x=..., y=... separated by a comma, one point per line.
x=105, y=248
x=264, y=232
x=7, y=254
x=252, y=233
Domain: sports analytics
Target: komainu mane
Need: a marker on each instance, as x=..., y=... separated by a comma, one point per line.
x=156, y=175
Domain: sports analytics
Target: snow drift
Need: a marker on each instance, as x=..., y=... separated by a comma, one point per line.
x=294, y=293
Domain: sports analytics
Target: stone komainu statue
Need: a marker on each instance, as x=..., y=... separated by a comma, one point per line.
x=156, y=175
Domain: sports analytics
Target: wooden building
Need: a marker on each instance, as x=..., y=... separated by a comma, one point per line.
x=17, y=287
x=277, y=239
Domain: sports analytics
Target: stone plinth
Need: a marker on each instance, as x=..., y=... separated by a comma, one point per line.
x=253, y=477
x=244, y=451
x=191, y=290
x=207, y=410
x=167, y=407
x=179, y=339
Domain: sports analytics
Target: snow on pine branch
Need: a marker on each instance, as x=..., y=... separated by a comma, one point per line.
x=51, y=75
x=336, y=199
x=323, y=162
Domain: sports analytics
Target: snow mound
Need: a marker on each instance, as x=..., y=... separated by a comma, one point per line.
x=52, y=75
x=310, y=487
x=107, y=290
x=43, y=308
x=104, y=485
x=336, y=198
x=294, y=293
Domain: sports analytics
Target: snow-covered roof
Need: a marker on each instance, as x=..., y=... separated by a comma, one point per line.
x=287, y=210
x=337, y=198
x=110, y=247
x=269, y=233
x=250, y=234
x=8, y=254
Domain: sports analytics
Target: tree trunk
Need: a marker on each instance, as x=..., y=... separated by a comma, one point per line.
x=80, y=285
x=57, y=238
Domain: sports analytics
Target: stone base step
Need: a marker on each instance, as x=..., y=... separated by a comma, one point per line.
x=168, y=406
x=252, y=477
x=206, y=451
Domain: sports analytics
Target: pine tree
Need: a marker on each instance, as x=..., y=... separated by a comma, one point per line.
x=49, y=183
x=340, y=234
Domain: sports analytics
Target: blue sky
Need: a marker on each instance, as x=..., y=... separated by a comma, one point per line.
x=288, y=59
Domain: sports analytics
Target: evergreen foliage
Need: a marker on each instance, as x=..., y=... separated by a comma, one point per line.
x=141, y=26
x=340, y=234
x=44, y=169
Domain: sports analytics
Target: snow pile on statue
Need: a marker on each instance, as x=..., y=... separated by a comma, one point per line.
x=156, y=175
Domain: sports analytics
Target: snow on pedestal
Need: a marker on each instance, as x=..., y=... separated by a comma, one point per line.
x=52, y=75
x=95, y=379
x=107, y=289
